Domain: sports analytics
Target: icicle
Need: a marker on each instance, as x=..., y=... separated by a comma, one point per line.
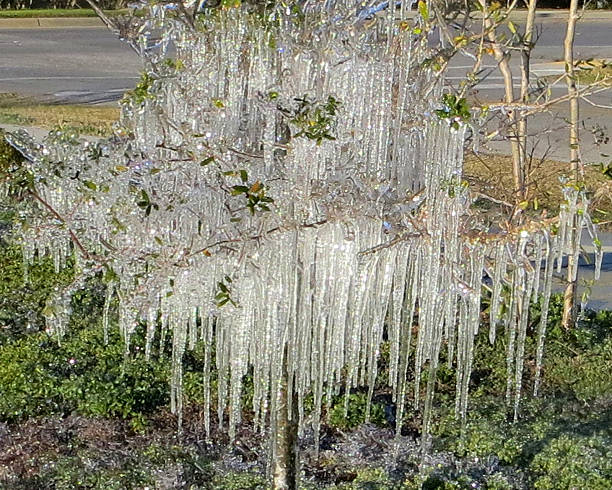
x=511, y=327
x=110, y=289
x=496, y=298
x=207, y=336
x=523, y=303
x=548, y=275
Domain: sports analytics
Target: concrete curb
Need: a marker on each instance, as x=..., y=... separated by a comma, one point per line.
x=50, y=22
x=59, y=22
x=557, y=15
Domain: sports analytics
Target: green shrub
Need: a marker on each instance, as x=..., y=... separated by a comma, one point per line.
x=239, y=481
x=82, y=375
x=577, y=362
x=21, y=301
x=74, y=472
x=574, y=462
x=153, y=466
x=356, y=412
x=27, y=382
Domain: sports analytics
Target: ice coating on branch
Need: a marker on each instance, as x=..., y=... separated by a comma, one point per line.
x=281, y=192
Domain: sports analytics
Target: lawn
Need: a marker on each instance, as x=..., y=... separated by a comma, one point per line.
x=84, y=119
x=37, y=13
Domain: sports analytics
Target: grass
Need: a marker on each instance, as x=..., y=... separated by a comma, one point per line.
x=595, y=71
x=492, y=175
x=588, y=72
x=38, y=13
x=84, y=119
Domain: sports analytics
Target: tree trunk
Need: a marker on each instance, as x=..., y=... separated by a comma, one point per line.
x=525, y=75
x=285, y=470
x=569, y=298
x=502, y=59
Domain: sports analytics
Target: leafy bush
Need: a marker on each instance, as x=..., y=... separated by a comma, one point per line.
x=73, y=472
x=22, y=301
x=152, y=466
x=239, y=481
x=577, y=362
x=356, y=412
x=574, y=462
x=82, y=375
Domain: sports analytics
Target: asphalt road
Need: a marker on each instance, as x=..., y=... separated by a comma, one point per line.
x=76, y=64
x=549, y=130
x=89, y=65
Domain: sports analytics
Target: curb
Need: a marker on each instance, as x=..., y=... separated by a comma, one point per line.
x=50, y=22
x=557, y=15
x=58, y=22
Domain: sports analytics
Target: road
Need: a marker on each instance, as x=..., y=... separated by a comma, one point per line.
x=77, y=64
x=89, y=65
x=593, y=40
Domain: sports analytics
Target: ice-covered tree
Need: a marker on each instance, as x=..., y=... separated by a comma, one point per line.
x=285, y=186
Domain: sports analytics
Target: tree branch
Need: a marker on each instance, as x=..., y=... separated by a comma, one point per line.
x=56, y=215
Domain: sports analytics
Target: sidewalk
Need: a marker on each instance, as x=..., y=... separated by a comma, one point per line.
x=58, y=22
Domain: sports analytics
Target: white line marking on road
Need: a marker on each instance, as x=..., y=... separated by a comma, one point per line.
x=18, y=79
x=463, y=78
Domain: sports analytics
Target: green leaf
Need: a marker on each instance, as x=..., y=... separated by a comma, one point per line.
x=207, y=161
x=239, y=189
x=90, y=185
x=423, y=10
x=48, y=311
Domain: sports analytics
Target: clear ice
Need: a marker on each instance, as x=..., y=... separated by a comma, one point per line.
x=368, y=235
